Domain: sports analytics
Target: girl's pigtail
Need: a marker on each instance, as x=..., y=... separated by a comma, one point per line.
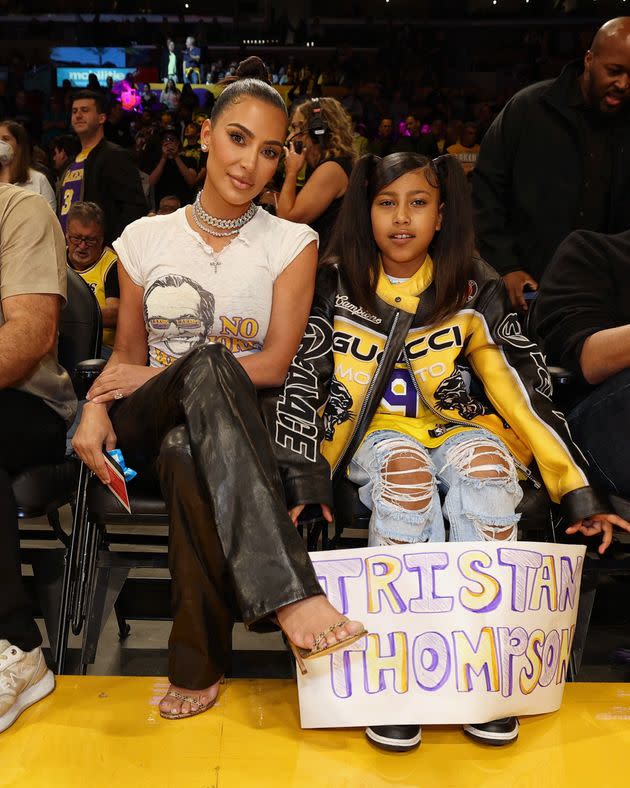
x=352, y=244
x=453, y=245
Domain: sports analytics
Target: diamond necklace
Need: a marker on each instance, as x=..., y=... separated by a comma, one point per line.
x=206, y=222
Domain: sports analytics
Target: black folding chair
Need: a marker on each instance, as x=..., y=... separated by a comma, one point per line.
x=42, y=490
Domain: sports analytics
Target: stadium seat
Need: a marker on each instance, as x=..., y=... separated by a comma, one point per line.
x=40, y=491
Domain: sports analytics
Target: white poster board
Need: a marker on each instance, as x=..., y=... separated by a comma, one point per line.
x=458, y=633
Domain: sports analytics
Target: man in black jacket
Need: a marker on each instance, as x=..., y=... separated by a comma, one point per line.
x=102, y=172
x=556, y=159
x=582, y=315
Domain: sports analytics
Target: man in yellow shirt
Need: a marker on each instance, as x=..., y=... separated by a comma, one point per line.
x=95, y=262
x=467, y=149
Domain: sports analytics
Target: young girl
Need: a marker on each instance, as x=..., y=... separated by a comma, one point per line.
x=427, y=381
x=216, y=295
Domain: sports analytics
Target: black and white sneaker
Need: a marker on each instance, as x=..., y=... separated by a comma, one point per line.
x=496, y=733
x=395, y=738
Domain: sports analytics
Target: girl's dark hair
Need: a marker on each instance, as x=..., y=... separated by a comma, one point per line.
x=22, y=159
x=353, y=247
x=250, y=81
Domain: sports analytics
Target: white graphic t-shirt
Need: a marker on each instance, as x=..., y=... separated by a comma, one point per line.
x=193, y=296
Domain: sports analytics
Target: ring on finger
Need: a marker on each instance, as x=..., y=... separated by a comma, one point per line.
x=118, y=394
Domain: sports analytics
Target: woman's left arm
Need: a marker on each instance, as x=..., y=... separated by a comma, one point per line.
x=292, y=298
x=327, y=182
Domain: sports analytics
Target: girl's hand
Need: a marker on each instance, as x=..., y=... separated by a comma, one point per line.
x=118, y=381
x=296, y=511
x=293, y=162
x=93, y=433
x=599, y=523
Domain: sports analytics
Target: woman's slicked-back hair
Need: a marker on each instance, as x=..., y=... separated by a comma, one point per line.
x=250, y=81
x=353, y=247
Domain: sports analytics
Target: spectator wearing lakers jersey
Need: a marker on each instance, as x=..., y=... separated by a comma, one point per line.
x=102, y=172
x=466, y=150
x=95, y=263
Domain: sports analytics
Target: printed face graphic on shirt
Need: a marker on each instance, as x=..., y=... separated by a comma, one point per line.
x=179, y=313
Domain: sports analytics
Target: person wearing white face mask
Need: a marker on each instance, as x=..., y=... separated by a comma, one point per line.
x=15, y=161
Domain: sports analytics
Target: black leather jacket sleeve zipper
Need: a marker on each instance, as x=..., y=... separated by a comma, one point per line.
x=368, y=397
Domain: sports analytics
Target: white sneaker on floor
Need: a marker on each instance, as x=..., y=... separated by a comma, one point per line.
x=24, y=679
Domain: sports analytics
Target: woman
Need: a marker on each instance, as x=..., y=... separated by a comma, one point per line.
x=15, y=162
x=192, y=288
x=320, y=136
x=189, y=98
x=147, y=98
x=170, y=96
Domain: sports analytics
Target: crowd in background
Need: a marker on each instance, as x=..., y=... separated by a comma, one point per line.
x=549, y=176
x=427, y=120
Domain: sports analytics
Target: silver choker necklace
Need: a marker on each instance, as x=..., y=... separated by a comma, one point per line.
x=205, y=222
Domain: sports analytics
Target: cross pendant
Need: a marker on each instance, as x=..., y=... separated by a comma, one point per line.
x=216, y=263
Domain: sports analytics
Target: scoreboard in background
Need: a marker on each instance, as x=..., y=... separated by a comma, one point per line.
x=90, y=56
x=78, y=75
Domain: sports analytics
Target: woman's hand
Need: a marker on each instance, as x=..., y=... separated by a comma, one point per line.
x=599, y=523
x=293, y=162
x=296, y=511
x=118, y=381
x=94, y=433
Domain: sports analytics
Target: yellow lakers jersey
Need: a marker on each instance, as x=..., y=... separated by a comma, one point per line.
x=95, y=276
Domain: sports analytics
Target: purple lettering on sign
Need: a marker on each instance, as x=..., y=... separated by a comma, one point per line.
x=377, y=663
x=431, y=660
x=544, y=586
x=569, y=581
x=332, y=576
x=426, y=565
x=550, y=657
x=511, y=643
x=341, y=664
x=564, y=656
x=486, y=595
x=382, y=571
x=521, y=562
x=475, y=659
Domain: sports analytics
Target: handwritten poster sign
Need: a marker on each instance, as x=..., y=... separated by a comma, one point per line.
x=458, y=633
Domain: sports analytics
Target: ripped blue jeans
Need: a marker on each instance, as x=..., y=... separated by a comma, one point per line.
x=400, y=481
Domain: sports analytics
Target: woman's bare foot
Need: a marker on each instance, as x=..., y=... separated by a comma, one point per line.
x=172, y=704
x=303, y=621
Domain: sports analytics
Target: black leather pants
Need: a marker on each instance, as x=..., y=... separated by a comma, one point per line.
x=232, y=545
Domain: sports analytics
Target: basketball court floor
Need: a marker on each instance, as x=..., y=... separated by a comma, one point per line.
x=104, y=729
x=98, y=731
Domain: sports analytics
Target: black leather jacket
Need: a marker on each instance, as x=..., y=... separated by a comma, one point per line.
x=528, y=180
x=111, y=180
x=336, y=382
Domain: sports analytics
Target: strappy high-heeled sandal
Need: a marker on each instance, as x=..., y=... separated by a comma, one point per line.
x=301, y=654
x=197, y=707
